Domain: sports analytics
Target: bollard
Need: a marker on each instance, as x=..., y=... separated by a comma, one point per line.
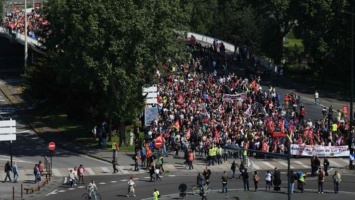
x=21, y=190
x=13, y=192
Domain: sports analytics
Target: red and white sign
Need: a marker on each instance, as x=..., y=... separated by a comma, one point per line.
x=51, y=146
x=158, y=142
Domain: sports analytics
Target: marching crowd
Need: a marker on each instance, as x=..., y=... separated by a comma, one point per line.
x=200, y=112
x=36, y=23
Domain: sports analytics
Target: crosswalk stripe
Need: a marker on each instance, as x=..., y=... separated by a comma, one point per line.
x=268, y=164
x=284, y=164
x=346, y=161
x=56, y=172
x=334, y=163
x=89, y=170
x=302, y=164
x=105, y=170
x=122, y=170
x=255, y=166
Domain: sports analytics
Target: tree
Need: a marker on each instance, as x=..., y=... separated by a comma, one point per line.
x=280, y=17
x=102, y=51
x=326, y=35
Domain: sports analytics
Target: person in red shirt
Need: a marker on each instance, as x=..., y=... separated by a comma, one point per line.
x=40, y=167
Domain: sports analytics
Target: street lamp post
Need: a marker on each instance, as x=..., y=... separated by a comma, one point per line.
x=351, y=80
x=26, y=48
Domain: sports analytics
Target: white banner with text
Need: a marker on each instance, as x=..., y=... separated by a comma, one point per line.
x=320, y=151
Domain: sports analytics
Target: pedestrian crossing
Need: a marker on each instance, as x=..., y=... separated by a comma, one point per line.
x=253, y=164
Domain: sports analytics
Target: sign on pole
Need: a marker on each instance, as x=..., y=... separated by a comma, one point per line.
x=51, y=146
x=8, y=130
x=151, y=94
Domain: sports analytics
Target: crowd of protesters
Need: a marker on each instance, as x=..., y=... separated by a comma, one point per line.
x=201, y=110
x=36, y=24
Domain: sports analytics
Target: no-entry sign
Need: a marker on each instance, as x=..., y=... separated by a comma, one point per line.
x=158, y=142
x=51, y=146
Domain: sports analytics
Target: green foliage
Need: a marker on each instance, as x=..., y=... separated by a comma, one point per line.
x=103, y=52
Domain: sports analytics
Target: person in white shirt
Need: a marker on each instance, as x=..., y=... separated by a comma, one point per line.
x=72, y=178
x=131, y=186
x=316, y=98
x=91, y=188
x=268, y=180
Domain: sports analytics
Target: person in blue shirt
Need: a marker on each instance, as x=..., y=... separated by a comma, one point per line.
x=15, y=171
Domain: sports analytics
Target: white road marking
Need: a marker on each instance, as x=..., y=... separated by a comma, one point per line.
x=122, y=170
x=255, y=166
x=71, y=188
x=102, y=183
x=302, y=164
x=105, y=170
x=56, y=172
x=335, y=163
x=53, y=192
x=171, y=175
x=61, y=190
x=124, y=180
x=89, y=170
x=268, y=164
x=285, y=164
x=113, y=181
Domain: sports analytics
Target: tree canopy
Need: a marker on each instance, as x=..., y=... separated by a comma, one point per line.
x=103, y=52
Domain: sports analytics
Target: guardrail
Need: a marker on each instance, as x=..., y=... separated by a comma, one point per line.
x=203, y=38
x=18, y=37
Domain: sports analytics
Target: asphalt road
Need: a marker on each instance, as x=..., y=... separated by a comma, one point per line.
x=115, y=187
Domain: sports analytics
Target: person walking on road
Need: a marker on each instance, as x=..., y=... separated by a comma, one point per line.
x=81, y=174
x=316, y=98
x=224, y=182
x=326, y=165
x=245, y=177
x=204, y=192
x=292, y=180
x=156, y=194
x=268, y=180
x=36, y=172
x=7, y=171
x=321, y=179
x=151, y=172
x=114, y=165
x=191, y=158
x=233, y=168
x=131, y=186
x=15, y=171
x=256, y=180
x=301, y=180
x=157, y=172
x=336, y=180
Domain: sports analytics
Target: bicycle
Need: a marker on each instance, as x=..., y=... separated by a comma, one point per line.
x=196, y=190
x=94, y=196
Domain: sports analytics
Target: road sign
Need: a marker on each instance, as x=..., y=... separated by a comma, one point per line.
x=158, y=142
x=8, y=130
x=51, y=146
